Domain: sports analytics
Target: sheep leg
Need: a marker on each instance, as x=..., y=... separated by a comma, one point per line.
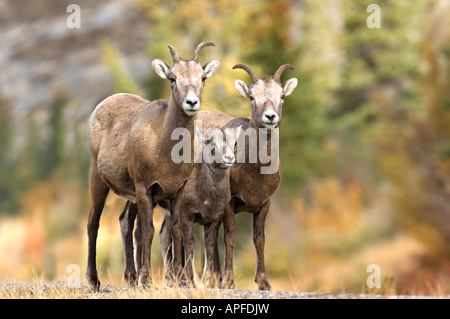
x=176, y=241
x=138, y=244
x=187, y=224
x=165, y=240
x=216, y=260
x=145, y=215
x=259, y=219
x=99, y=192
x=210, y=276
x=230, y=240
x=126, y=228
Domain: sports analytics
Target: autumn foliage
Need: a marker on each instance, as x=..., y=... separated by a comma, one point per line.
x=364, y=145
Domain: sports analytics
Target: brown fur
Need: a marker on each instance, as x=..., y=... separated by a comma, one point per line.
x=208, y=119
x=201, y=200
x=131, y=150
x=250, y=190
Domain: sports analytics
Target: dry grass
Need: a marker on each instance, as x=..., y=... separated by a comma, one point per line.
x=60, y=290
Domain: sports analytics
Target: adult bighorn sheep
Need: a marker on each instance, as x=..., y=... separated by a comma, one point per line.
x=250, y=189
x=130, y=142
x=202, y=200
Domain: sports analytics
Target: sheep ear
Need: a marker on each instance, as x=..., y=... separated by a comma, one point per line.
x=242, y=88
x=161, y=68
x=289, y=86
x=211, y=67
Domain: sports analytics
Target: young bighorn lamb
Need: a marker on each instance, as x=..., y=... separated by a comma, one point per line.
x=250, y=189
x=203, y=200
x=130, y=142
x=208, y=119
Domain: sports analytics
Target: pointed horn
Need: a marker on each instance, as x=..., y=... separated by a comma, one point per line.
x=199, y=47
x=280, y=71
x=174, y=54
x=249, y=70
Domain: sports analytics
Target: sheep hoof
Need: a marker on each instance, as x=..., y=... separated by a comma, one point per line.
x=131, y=278
x=145, y=280
x=264, y=285
x=93, y=281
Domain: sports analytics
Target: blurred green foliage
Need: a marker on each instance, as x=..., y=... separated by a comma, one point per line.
x=111, y=58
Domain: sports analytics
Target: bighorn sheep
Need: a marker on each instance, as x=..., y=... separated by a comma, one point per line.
x=250, y=189
x=202, y=200
x=130, y=142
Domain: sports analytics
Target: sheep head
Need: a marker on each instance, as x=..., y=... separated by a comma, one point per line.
x=266, y=95
x=186, y=78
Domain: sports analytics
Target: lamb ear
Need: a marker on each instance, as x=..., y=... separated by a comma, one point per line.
x=161, y=68
x=211, y=67
x=289, y=86
x=242, y=88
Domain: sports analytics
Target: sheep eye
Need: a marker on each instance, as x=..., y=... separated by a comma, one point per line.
x=282, y=97
x=172, y=79
x=251, y=98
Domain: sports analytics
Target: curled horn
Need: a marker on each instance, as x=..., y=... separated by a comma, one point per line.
x=249, y=70
x=280, y=71
x=174, y=54
x=199, y=47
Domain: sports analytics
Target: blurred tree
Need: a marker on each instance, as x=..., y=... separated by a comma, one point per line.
x=378, y=63
x=122, y=81
x=52, y=153
x=9, y=201
x=417, y=156
x=80, y=156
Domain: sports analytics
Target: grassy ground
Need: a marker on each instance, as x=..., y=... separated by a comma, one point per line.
x=24, y=290
x=59, y=290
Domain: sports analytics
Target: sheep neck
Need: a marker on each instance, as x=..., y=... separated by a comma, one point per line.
x=269, y=133
x=175, y=118
x=210, y=177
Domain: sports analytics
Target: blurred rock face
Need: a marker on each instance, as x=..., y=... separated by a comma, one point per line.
x=41, y=57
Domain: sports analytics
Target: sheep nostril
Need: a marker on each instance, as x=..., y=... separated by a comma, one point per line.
x=229, y=158
x=192, y=103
